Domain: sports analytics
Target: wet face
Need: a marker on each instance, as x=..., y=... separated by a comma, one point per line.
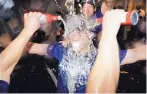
x=78, y=36
x=110, y=3
x=79, y=39
x=88, y=9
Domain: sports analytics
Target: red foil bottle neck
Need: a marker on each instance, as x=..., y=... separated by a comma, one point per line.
x=50, y=18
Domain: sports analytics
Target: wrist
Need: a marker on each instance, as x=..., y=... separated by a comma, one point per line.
x=108, y=37
x=28, y=32
x=111, y=34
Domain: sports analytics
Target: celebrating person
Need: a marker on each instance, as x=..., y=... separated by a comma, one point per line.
x=77, y=58
x=11, y=55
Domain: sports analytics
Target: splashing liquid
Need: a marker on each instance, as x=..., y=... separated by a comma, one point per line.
x=76, y=67
x=58, y=6
x=65, y=27
x=70, y=6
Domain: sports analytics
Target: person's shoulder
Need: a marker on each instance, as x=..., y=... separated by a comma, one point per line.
x=3, y=82
x=98, y=12
x=58, y=51
x=4, y=86
x=58, y=45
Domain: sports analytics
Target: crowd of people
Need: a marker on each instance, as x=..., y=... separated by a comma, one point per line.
x=87, y=62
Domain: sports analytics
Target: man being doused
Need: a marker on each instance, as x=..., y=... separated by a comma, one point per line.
x=77, y=58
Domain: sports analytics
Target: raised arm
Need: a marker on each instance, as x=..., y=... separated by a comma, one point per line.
x=104, y=74
x=35, y=48
x=11, y=55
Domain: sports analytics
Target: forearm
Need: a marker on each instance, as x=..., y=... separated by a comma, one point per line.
x=105, y=72
x=35, y=48
x=14, y=51
x=134, y=55
x=108, y=62
x=140, y=52
x=108, y=48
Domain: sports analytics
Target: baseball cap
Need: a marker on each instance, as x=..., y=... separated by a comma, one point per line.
x=75, y=22
x=92, y=2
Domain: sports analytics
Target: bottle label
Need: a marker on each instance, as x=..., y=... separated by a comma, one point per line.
x=126, y=18
x=123, y=17
x=43, y=19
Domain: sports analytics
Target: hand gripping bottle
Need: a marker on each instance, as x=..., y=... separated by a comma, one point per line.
x=128, y=18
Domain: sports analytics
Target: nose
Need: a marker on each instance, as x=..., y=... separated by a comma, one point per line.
x=74, y=35
x=86, y=9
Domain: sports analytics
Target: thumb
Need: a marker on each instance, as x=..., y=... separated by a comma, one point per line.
x=25, y=16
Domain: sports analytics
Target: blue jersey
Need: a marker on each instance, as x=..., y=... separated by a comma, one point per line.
x=65, y=63
x=4, y=86
x=98, y=28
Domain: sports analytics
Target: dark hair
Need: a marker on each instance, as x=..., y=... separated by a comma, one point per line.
x=139, y=6
x=119, y=7
x=4, y=28
x=113, y=0
x=88, y=3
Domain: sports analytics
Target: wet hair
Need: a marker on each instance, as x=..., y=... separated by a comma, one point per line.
x=92, y=2
x=119, y=7
x=4, y=27
x=88, y=3
x=113, y=0
x=140, y=5
x=75, y=22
